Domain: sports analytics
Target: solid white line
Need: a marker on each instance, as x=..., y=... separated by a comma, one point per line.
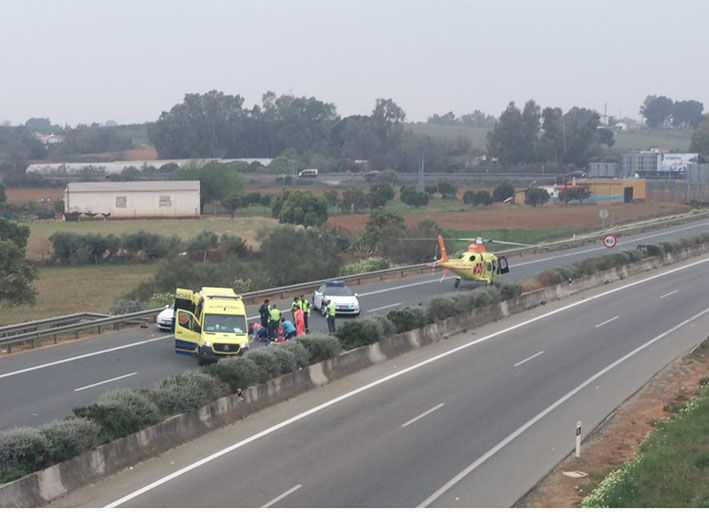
x=385, y=307
x=279, y=498
x=404, y=286
x=429, y=411
x=492, y=451
x=669, y=294
x=528, y=359
x=92, y=354
x=378, y=382
x=105, y=382
x=607, y=321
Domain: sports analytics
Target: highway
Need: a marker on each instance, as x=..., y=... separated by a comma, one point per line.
x=474, y=421
x=46, y=383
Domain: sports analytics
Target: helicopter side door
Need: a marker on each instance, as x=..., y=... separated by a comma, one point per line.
x=502, y=265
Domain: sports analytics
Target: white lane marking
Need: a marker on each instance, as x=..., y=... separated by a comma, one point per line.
x=404, y=286
x=254, y=317
x=105, y=382
x=385, y=307
x=492, y=451
x=528, y=359
x=429, y=411
x=669, y=294
x=596, y=249
x=607, y=321
x=355, y=392
x=86, y=355
x=279, y=498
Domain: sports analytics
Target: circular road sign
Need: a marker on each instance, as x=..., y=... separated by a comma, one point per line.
x=609, y=241
x=603, y=213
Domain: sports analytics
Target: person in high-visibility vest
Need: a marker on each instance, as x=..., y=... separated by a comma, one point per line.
x=330, y=316
x=295, y=305
x=299, y=322
x=274, y=322
x=305, y=305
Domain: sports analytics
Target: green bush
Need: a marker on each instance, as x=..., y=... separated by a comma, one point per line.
x=126, y=306
x=651, y=250
x=67, y=438
x=366, y=265
x=440, y=307
x=509, y=291
x=22, y=451
x=407, y=318
x=360, y=332
x=237, y=372
x=285, y=359
x=298, y=351
x=187, y=392
x=119, y=413
x=266, y=362
x=320, y=346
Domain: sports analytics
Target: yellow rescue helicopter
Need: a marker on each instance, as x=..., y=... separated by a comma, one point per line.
x=476, y=263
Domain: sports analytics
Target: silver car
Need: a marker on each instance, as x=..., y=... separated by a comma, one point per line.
x=166, y=318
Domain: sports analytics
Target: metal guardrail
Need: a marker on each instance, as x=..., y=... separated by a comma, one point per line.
x=105, y=320
x=33, y=326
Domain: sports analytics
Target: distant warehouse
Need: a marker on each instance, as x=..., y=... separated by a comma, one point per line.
x=164, y=199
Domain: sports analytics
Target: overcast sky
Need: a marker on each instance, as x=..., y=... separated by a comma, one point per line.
x=78, y=61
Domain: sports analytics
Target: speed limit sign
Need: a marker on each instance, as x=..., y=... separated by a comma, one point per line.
x=609, y=241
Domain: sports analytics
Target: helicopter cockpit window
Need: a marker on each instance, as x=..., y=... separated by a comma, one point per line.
x=472, y=258
x=489, y=266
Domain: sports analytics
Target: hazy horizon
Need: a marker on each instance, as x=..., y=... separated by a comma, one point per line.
x=82, y=61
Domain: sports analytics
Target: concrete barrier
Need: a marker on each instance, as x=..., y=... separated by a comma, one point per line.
x=41, y=487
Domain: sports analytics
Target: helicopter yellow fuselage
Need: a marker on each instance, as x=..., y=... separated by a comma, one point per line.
x=483, y=266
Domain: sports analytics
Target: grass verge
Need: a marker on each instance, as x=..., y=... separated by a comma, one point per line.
x=70, y=289
x=529, y=236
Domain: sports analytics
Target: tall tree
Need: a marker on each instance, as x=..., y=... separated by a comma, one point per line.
x=16, y=275
x=530, y=130
x=700, y=138
x=218, y=181
x=506, y=140
x=657, y=110
x=687, y=113
x=552, y=141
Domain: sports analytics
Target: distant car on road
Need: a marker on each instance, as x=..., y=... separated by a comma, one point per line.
x=371, y=175
x=346, y=302
x=310, y=172
x=166, y=319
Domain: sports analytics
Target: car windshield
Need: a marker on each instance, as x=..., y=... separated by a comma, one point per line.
x=225, y=323
x=337, y=290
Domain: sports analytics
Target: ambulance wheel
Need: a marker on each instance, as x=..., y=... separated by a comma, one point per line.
x=202, y=361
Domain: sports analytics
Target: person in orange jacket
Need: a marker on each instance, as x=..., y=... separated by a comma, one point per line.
x=299, y=317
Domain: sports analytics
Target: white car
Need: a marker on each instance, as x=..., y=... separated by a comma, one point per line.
x=346, y=302
x=166, y=318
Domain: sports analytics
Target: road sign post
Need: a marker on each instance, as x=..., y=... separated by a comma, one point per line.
x=603, y=214
x=578, y=439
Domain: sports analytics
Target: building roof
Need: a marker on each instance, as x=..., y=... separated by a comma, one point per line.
x=125, y=187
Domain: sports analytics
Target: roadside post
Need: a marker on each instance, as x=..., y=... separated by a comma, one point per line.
x=578, y=439
x=603, y=214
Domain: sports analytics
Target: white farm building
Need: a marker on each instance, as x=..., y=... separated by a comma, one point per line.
x=160, y=199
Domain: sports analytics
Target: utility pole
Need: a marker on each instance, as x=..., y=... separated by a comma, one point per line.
x=420, y=185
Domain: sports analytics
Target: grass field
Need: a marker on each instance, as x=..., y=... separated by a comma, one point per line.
x=39, y=247
x=671, y=468
x=476, y=136
x=69, y=289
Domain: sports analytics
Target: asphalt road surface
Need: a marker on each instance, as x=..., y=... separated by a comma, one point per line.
x=45, y=384
x=474, y=421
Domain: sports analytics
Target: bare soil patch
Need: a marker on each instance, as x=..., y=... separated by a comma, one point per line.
x=142, y=153
x=620, y=437
x=523, y=217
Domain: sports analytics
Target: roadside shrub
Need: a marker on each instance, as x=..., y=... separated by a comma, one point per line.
x=503, y=192
x=549, y=277
x=440, y=307
x=407, y=318
x=125, y=306
x=359, y=332
x=237, y=372
x=67, y=438
x=266, y=362
x=366, y=265
x=187, y=392
x=22, y=451
x=480, y=297
x=298, y=351
x=414, y=198
x=651, y=250
x=386, y=326
x=633, y=255
x=320, y=346
x=469, y=197
x=509, y=291
x=119, y=413
x=285, y=360
x=667, y=247
x=482, y=198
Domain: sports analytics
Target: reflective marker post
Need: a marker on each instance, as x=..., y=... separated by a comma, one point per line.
x=578, y=439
